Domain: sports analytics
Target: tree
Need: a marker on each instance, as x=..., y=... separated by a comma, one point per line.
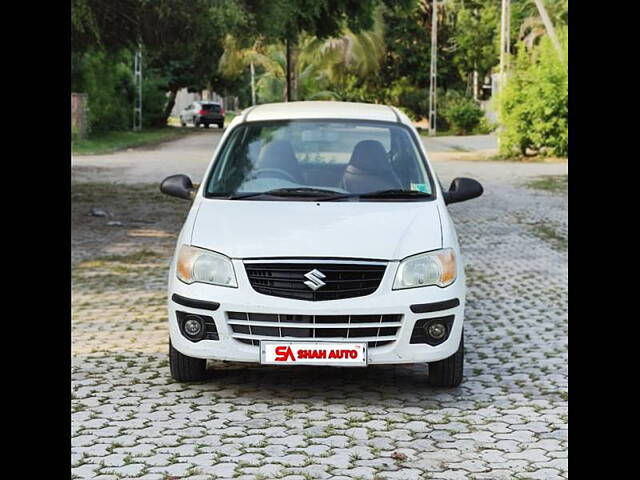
x=184, y=38
x=528, y=27
x=404, y=76
x=476, y=39
x=235, y=60
x=181, y=39
x=533, y=27
x=323, y=65
x=107, y=25
x=270, y=64
x=287, y=20
x=349, y=53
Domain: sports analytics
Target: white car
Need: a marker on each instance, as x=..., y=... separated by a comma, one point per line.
x=319, y=236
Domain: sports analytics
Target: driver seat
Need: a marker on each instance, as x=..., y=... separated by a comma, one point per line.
x=279, y=155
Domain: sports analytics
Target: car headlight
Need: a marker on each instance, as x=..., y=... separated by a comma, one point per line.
x=432, y=268
x=200, y=265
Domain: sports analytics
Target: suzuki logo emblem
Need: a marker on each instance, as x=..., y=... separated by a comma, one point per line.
x=315, y=279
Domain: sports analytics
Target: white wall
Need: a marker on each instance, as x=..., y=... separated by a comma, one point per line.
x=183, y=98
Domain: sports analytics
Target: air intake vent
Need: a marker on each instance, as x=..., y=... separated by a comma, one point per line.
x=315, y=281
x=376, y=330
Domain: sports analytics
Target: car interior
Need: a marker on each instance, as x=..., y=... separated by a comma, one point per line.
x=352, y=160
x=369, y=168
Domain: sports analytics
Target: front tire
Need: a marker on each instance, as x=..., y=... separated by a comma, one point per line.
x=447, y=373
x=184, y=368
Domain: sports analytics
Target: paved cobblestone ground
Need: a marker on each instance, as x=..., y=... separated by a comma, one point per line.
x=507, y=420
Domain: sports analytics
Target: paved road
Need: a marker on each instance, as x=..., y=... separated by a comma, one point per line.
x=189, y=155
x=472, y=143
x=507, y=420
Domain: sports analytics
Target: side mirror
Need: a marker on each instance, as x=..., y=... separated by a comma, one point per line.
x=462, y=189
x=178, y=186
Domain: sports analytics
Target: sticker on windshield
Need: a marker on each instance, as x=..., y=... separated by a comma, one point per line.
x=419, y=187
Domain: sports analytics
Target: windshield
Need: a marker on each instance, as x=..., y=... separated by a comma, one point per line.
x=310, y=159
x=211, y=107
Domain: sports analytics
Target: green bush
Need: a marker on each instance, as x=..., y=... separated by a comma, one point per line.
x=411, y=99
x=154, y=99
x=107, y=79
x=485, y=126
x=462, y=114
x=534, y=107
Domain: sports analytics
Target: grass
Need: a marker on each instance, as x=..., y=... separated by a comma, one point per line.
x=132, y=258
x=108, y=142
x=107, y=256
x=439, y=133
x=110, y=195
x=528, y=158
x=452, y=133
x=549, y=234
x=550, y=183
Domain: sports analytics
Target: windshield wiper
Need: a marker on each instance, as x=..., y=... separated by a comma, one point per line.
x=326, y=194
x=395, y=193
x=293, y=192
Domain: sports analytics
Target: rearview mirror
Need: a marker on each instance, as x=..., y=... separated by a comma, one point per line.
x=178, y=186
x=462, y=189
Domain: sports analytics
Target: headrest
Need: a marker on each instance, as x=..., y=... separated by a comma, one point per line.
x=369, y=156
x=278, y=154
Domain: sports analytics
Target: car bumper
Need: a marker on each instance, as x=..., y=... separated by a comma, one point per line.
x=211, y=118
x=382, y=302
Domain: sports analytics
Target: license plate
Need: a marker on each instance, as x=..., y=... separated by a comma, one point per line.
x=313, y=353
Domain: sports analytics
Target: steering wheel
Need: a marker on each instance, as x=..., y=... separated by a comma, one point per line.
x=269, y=172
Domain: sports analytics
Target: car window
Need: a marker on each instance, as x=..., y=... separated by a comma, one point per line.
x=333, y=142
x=343, y=156
x=211, y=107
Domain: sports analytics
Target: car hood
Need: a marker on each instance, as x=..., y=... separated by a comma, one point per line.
x=263, y=229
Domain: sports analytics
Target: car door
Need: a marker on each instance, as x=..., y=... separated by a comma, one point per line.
x=194, y=112
x=184, y=115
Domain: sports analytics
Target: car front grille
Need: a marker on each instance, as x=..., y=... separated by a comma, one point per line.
x=337, y=280
x=376, y=330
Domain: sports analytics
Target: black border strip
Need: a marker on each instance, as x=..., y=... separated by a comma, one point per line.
x=190, y=302
x=434, y=307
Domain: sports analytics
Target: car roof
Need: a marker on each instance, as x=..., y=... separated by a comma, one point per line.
x=323, y=110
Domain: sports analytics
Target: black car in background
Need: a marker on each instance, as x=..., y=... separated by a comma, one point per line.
x=203, y=113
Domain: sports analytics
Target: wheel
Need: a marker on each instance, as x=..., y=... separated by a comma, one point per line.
x=221, y=125
x=186, y=369
x=182, y=122
x=448, y=372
